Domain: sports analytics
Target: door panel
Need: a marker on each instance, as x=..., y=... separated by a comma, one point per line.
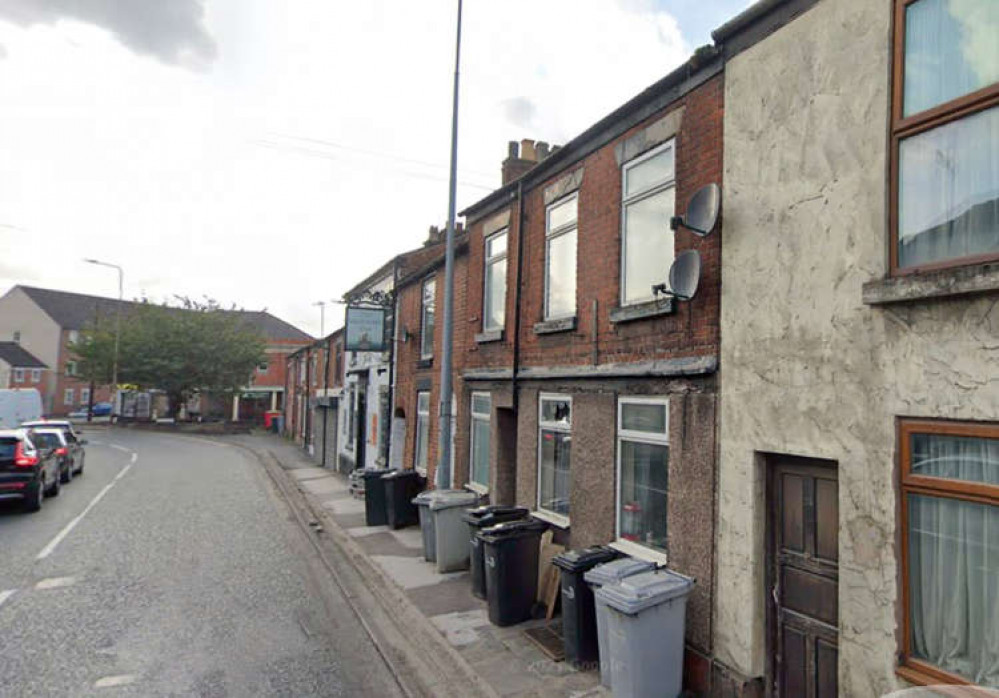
x=802, y=578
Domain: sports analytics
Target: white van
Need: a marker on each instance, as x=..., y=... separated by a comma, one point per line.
x=18, y=406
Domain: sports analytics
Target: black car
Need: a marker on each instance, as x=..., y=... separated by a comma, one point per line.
x=28, y=470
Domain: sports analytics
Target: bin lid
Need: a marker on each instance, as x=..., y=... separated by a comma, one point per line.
x=582, y=559
x=423, y=498
x=492, y=514
x=403, y=473
x=634, y=594
x=616, y=570
x=513, y=529
x=372, y=473
x=447, y=499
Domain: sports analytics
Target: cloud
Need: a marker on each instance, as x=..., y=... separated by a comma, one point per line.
x=172, y=31
x=3, y=52
x=519, y=111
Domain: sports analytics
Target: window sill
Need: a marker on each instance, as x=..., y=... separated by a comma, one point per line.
x=565, y=324
x=425, y=363
x=487, y=336
x=640, y=311
x=944, y=283
x=552, y=518
x=920, y=677
x=641, y=552
x=480, y=490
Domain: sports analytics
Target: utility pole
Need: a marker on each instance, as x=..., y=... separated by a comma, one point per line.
x=444, y=464
x=117, y=331
x=322, y=318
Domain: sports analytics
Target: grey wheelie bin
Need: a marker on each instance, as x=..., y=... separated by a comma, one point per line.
x=478, y=519
x=579, y=621
x=609, y=573
x=511, y=554
x=646, y=615
x=450, y=532
x=375, y=508
x=422, y=502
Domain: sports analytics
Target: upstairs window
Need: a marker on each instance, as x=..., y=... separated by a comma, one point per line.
x=648, y=197
x=560, y=258
x=36, y=375
x=945, y=134
x=429, y=303
x=18, y=375
x=70, y=368
x=494, y=293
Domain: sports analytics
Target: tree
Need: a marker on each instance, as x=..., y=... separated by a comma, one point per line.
x=182, y=350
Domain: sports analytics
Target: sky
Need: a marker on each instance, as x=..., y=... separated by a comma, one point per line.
x=270, y=155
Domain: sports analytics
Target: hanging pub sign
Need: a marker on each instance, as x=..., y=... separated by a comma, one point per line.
x=365, y=329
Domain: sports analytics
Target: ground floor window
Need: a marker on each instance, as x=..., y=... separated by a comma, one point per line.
x=479, y=451
x=422, y=431
x=554, y=451
x=68, y=396
x=950, y=551
x=84, y=396
x=643, y=470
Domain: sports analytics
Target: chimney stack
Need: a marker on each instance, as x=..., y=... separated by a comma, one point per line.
x=521, y=157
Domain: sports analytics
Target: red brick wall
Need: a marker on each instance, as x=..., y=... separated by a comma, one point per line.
x=693, y=328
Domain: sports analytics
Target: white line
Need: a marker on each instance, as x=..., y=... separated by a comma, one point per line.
x=47, y=550
x=120, y=448
x=109, y=681
x=4, y=595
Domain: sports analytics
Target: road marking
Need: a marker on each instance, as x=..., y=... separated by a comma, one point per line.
x=56, y=582
x=47, y=550
x=120, y=448
x=5, y=595
x=109, y=681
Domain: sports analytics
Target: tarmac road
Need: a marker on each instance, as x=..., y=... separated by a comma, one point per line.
x=173, y=568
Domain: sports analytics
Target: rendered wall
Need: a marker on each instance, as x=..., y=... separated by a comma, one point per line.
x=807, y=368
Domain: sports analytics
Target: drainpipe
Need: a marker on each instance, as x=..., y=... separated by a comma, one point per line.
x=516, y=298
x=387, y=421
x=326, y=396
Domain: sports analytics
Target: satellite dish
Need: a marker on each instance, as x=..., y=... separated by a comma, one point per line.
x=684, y=274
x=702, y=211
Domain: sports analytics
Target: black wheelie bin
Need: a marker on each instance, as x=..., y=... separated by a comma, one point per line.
x=478, y=519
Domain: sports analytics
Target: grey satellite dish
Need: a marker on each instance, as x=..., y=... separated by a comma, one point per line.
x=684, y=274
x=702, y=211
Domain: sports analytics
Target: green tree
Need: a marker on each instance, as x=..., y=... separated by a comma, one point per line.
x=184, y=349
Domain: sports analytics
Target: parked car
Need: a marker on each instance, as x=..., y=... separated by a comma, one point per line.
x=101, y=409
x=69, y=444
x=68, y=451
x=28, y=471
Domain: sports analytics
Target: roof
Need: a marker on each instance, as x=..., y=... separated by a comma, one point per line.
x=76, y=311
x=19, y=357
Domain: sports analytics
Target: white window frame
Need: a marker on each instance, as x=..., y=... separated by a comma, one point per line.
x=431, y=284
x=36, y=375
x=488, y=262
x=627, y=546
x=18, y=375
x=68, y=396
x=567, y=229
x=71, y=368
x=74, y=336
x=425, y=415
x=472, y=419
x=628, y=200
x=551, y=517
x=84, y=396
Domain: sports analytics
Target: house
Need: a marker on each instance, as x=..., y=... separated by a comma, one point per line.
x=583, y=394
x=46, y=323
x=314, y=382
x=19, y=368
x=420, y=336
x=858, y=485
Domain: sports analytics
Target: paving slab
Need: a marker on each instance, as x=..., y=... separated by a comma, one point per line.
x=409, y=537
x=323, y=486
x=344, y=506
x=412, y=572
x=447, y=597
x=361, y=531
x=385, y=543
x=309, y=473
x=460, y=627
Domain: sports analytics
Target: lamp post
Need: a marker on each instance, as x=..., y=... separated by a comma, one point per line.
x=322, y=318
x=117, y=329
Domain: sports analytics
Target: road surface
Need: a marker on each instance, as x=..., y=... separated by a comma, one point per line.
x=172, y=568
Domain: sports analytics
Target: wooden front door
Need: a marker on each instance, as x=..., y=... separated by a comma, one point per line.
x=802, y=578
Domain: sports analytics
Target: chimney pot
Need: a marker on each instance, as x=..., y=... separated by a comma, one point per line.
x=513, y=149
x=527, y=151
x=542, y=149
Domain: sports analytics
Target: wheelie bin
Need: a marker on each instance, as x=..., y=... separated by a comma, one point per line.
x=511, y=556
x=375, y=510
x=422, y=504
x=609, y=573
x=579, y=620
x=400, y=488
x=450, y=532
x=646, y=615
x=478, y=519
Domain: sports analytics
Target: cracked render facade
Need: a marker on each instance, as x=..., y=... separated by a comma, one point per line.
x=858, y=516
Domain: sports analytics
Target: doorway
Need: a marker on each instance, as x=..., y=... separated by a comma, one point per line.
x=802, y=577
x=361, y=422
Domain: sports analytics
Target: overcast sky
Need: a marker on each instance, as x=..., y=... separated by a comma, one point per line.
x=272, y=154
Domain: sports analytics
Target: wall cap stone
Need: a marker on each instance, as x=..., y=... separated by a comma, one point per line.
x=683, y=366
x=944, y=283
x=488, y=374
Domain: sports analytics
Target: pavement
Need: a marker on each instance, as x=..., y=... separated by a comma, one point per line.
x=501, y=661
x=175, y=567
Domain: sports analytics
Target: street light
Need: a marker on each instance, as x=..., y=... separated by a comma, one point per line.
x=117, y=329
x=322, y=318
